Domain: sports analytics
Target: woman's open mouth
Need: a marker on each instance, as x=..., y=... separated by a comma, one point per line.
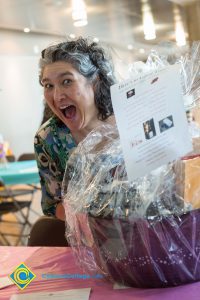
x=69, y=111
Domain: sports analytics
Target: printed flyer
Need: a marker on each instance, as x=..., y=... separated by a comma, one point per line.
x=151, y=120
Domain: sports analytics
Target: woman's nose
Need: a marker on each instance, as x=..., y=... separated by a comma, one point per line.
x=58, y=94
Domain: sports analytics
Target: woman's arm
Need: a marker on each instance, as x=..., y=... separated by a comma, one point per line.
x=60, y=212
x=50, y=178
x=53, y=145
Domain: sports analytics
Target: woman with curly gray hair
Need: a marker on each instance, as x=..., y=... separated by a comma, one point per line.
x=76, y=76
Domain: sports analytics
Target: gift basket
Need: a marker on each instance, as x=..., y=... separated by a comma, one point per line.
x=142, y=233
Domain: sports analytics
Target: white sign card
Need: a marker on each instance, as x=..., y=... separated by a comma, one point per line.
x=75, y=294
x=151, y=120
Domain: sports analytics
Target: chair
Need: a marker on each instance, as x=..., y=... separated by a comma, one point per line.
x=26, y=156
x=48, y=231
x=10, y=158
x=10, y=203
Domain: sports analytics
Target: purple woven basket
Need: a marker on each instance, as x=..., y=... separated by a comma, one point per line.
x=140, y=254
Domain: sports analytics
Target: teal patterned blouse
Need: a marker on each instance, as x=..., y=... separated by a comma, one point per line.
x=53, y=146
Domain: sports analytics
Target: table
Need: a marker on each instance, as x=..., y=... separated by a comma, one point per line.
x=54, y=260
x=20, y=172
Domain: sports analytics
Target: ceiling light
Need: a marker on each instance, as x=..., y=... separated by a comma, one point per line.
x=26, y=29
x=79, y=13
x=179, y=28
x=148, y=21
x=180, y=34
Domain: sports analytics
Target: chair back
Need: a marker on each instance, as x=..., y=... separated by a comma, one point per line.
x=48, y=231
x=26, y=156
x=10, y=158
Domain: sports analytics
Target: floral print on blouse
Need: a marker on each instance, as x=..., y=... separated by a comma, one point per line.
x=53, y=145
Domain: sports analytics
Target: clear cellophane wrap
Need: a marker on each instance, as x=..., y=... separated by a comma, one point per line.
x=143, y=233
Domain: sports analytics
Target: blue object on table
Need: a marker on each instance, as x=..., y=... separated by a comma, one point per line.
x=19, y=172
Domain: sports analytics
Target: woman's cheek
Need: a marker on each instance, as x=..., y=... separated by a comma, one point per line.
x=47, y=97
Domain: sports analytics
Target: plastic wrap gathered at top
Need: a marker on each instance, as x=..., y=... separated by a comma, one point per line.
x=189, y=69
x=143, y=233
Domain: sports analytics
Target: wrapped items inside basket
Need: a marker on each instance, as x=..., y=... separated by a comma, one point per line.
x=143, y=233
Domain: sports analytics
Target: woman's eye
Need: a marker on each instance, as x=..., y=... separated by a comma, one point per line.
x=47, y=86
x=67, y=81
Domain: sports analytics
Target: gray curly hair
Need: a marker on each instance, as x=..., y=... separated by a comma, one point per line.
x=91, y=61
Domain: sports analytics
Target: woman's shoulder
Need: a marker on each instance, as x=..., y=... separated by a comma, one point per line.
x=51, y=127
x=55, y=132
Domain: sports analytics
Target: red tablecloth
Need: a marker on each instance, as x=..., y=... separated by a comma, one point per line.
x=55, y=260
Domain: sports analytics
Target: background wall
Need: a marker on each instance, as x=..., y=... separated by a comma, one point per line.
x=21, y=96
x=20, y=101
